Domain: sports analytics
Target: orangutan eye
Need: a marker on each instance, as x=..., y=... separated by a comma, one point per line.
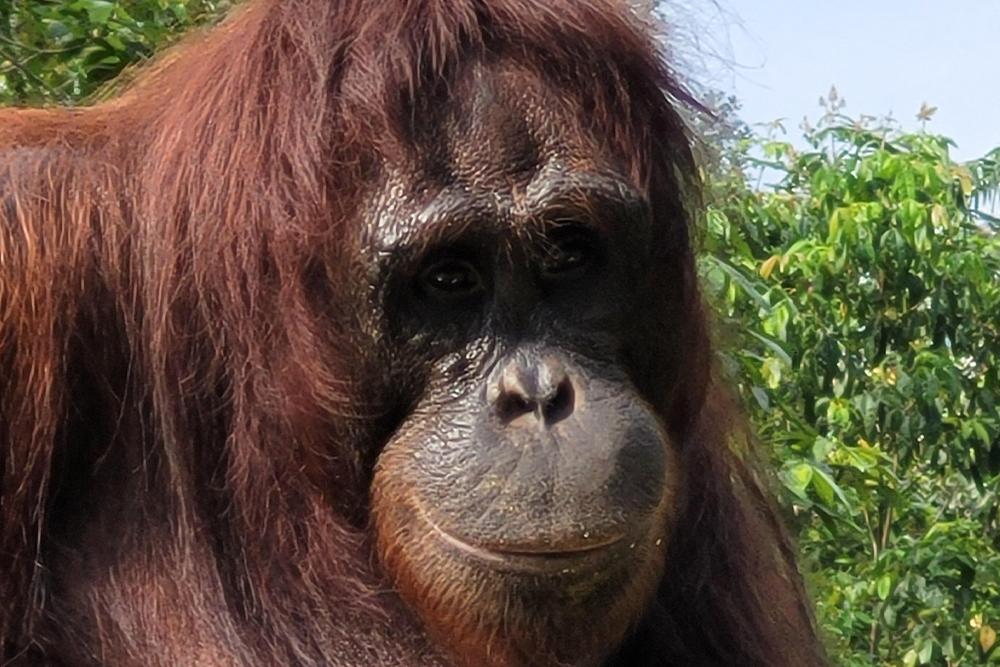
x=569, y=255
x=451, y=279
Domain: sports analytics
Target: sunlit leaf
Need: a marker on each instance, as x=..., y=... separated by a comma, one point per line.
x=768, y=266
x=987, y=638
x=884, y=586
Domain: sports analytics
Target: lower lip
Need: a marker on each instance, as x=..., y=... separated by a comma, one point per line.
x=542, y=562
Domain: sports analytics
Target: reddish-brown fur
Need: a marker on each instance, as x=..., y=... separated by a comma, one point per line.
x=184, y=416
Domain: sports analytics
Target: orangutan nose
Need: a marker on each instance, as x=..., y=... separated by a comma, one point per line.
x=532, y=386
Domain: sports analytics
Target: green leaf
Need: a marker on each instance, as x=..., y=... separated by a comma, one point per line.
x=884, y=586
x=827, y=489
x=773, y=346
x=98, y=11
x=797, y=478
x=771, y=372
x=738, y=278
x=981, y=431
x=926, y=651
x=760, y=395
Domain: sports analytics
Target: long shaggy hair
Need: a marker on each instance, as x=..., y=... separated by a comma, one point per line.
x=185, y=417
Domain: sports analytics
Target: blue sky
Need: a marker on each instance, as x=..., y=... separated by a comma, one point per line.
x=883, y=55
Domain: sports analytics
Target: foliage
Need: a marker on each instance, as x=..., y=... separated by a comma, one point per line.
x=58, y=51
x=861, y=295
x=863, y=290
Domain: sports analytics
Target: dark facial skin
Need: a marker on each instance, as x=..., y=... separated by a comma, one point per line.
x=522, y=506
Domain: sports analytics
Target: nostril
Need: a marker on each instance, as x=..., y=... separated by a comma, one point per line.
x=529, y=385
x=559, y=404
x=516, y=392
x=511, y=405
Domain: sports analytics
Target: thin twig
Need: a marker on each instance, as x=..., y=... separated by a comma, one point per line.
x=34, y=77
x=24, y=47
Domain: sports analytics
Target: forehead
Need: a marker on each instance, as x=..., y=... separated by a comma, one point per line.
x=501, y=124
x=501, y=147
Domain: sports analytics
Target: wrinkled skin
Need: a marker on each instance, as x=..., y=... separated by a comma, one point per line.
x=523, y=503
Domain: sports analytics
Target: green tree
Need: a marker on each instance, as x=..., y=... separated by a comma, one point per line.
x=863, y=291
x=59, y=51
